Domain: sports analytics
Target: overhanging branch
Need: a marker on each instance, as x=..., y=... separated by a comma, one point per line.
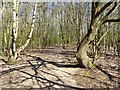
x=106, y=19
x=103, y=8
x=112, y=20
x=111, y=10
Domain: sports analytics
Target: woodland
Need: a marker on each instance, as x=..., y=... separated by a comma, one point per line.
x=59, y=45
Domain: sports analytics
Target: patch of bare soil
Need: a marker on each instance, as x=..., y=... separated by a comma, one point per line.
x=57, y=68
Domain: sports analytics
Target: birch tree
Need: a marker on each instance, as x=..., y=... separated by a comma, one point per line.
x=14, y=51
x=118, y=46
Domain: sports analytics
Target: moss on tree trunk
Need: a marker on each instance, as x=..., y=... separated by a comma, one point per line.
x=81, y=55
x=82, y=58
x=12, y=60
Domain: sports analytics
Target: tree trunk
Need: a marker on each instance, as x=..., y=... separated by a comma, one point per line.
x=12, y=57
x=13, y=51
x=95, y=24
x=118, y=47
x=81, y=55
x=83, y=47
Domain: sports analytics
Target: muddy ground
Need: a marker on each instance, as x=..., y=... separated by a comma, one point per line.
x=58, y=68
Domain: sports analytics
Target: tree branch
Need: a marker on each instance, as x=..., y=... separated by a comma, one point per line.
x=31, y=32
x=103, y=36
x=114, y=7
x=103, y=8
x=112, y=20
x=4, y=59
x=97, y=4
x=106, y=19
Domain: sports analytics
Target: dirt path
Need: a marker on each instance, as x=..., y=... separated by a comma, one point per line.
x=48, y=68
x=52, y=68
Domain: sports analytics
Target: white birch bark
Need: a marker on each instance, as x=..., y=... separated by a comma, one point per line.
x=13, y=52
x=13, y=48
x=31, y=31
x=17, y=5
x=4, y=31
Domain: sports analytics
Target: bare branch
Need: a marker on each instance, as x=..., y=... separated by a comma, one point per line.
x=4, y=59
x=103, y=8
x=94, y=9
x=106, y=19
x=103, y=36
x=115, y=6
x=112, y=20
x=97, y=4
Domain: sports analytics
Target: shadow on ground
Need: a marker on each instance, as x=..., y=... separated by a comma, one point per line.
x=37, y=71
x=53, y=69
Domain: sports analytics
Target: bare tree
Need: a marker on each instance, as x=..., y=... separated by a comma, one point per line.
x=14, y=52
x=96, y=22
x=119, y=32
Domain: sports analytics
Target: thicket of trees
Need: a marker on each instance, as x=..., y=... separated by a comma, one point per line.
x=92, y=26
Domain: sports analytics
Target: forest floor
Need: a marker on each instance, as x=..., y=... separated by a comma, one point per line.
x=58, y=68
